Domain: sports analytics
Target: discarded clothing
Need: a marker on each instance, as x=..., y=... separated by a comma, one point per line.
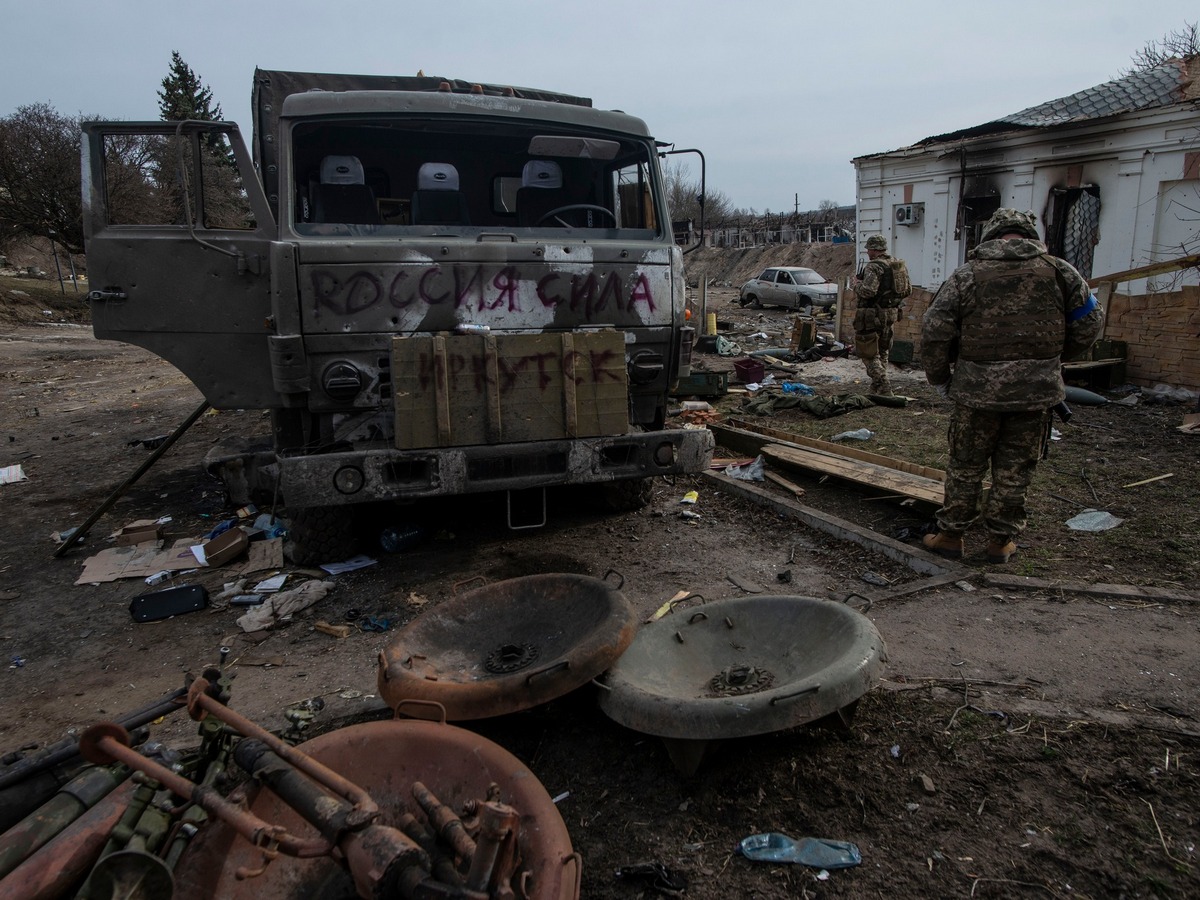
x=283, y=604
x=821, y=407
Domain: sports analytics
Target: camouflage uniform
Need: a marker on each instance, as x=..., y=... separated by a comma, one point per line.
x=872, y=322
x=993, y=338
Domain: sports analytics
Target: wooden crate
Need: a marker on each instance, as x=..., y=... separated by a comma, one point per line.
x=462, y=390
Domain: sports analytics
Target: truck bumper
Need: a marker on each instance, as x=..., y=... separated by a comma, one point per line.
x=363, y=476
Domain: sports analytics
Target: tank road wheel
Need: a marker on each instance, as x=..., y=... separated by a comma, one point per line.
x=320, y=534
x=626, y=495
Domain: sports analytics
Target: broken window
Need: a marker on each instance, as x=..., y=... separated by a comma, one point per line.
x=979, y=200
x=1073, y=225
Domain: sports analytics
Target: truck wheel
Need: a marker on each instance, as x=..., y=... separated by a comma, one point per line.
x=626, y=495
x=319, y=534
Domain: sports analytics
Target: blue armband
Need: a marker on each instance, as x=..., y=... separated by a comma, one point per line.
x=1080, y=311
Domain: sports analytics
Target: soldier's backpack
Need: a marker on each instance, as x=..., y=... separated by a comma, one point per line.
x=901, y=284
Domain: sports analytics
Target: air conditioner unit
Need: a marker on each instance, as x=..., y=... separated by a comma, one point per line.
x=908, y=214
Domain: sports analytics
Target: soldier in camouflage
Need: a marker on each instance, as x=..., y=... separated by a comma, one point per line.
x=874, y=317
x=992, y=342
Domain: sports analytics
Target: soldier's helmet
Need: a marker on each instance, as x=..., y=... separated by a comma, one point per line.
x=1005, y=220
x=877, y=242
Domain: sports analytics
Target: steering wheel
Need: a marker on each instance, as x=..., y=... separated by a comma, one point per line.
x=575, y=206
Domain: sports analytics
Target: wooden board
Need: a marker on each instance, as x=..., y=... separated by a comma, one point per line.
x=774, y=435
x=892, y=480
x=461, y=390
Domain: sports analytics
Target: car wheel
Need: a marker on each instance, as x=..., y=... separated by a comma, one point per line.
x=749, y=298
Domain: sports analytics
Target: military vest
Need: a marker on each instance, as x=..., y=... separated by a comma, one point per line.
x=1018, y=313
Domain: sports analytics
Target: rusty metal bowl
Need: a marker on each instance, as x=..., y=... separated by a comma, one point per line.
x=507, y=646
x=740, y=667
x=385, y=758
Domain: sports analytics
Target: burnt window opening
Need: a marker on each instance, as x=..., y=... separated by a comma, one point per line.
x=1073, y=225
x=979, y=200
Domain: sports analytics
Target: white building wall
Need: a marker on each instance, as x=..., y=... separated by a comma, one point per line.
x=1137, y=160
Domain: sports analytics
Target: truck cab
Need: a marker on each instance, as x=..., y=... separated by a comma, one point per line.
x=435, y=287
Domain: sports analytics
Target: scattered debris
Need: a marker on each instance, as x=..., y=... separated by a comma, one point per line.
x=754, y=471
x=872, y=578
x=12, y=474
x=859, y=434
x=669, y=605
x=355, y=562
x=280, y=606
x=927, y=785
x=337, y=631
x=745, y=584
x=818, y=853
x=1149, y=480
x=1093, y=520
x=173, y=601
x=690, y=497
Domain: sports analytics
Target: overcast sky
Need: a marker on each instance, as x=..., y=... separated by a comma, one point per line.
x=779, y=96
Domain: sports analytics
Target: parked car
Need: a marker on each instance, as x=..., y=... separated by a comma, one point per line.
x=792, y=287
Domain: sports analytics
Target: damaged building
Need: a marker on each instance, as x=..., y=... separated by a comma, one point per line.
x=1113, y=173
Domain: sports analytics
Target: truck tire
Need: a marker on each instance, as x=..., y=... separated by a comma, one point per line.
x=319, y=534
x=626, y=495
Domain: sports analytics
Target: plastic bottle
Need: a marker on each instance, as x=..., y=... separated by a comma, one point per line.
x=860, y=434
x=395, y=538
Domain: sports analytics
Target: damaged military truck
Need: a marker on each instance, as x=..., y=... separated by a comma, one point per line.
x=435, y=287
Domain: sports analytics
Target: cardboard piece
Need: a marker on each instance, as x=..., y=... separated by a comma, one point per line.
x=140, y=532
x=224, y=548
x=140, y=560
x=136, y=561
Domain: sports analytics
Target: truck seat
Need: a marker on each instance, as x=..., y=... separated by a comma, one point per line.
x=437, y=199
x=342, y=196
x=540, y=191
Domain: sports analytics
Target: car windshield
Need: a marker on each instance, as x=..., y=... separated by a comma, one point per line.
x=808, y=276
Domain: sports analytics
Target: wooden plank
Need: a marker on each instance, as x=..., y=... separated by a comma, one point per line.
x=893, y=480
x=784, y=483
x=775, y=436
x=1116, y=591
x=915, y=556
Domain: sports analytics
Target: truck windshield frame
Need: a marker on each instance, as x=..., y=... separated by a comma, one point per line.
x=417, y=176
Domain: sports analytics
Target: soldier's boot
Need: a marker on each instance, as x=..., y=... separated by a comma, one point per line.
x=1000, y=549
x=881, y=388
x=945, y=543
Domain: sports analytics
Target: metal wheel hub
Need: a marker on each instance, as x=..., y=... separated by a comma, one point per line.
x=510, y=657
x=741, y=680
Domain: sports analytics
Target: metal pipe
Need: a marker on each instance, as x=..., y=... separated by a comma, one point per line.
x=199, y=701
x=102, y=743
x=382, y=860
x=51, y=818
x=55, y=869
x=112, y=498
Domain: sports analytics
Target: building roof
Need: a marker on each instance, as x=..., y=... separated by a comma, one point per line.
x=1172, y=82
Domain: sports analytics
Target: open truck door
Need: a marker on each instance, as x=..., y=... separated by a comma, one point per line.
x=178, y=235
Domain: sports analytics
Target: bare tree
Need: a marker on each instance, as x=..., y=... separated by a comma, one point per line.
x=683, y=198
x=1178, y=44
x=39, y=176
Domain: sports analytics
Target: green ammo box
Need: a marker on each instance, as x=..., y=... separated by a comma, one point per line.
x=702, y=384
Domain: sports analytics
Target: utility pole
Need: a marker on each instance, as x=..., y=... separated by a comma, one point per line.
x=797, y=204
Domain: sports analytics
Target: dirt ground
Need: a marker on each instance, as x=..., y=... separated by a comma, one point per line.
x=1055, y=730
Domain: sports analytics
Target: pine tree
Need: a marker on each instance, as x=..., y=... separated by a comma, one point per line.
x=184, y=96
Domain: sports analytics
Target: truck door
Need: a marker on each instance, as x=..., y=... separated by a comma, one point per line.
x=178, y=236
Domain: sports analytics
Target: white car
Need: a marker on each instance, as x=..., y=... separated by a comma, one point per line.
x=792, y=287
